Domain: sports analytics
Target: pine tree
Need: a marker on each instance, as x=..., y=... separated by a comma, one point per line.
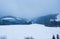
x=57, y=36
x=53, y=37
x=29, y=38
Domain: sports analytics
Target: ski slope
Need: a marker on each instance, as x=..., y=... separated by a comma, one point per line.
x=21, y=31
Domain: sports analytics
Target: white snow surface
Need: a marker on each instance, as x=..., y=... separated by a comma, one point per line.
x=21, y=31
x=58, y=18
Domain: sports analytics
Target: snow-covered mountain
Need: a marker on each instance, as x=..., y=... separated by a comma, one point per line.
x=47, y=20
x=22, y=31
x=10, y=20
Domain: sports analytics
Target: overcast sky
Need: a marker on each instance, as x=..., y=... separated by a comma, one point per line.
x=29, y=8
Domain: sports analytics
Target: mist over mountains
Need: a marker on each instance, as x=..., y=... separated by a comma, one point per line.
x=47, y=20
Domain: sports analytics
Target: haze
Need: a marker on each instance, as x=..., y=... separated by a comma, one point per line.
x=29, y=8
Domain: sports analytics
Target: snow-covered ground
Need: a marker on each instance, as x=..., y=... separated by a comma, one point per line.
x=21, y=31
x=58, y=18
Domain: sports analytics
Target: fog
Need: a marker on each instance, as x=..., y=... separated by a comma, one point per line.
x=29, y=8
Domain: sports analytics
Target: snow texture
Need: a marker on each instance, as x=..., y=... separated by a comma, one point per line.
x=22, y=31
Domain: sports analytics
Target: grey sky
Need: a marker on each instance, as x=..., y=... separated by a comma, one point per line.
x=29, y=8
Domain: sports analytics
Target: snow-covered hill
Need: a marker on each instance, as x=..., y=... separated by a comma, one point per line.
x=21, y=31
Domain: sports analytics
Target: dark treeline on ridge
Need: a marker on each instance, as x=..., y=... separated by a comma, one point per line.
x=47, y=20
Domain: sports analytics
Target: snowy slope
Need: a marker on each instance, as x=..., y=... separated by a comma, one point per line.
x=34, y=30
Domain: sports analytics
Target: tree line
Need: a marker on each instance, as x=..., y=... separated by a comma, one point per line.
x=47, y=20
